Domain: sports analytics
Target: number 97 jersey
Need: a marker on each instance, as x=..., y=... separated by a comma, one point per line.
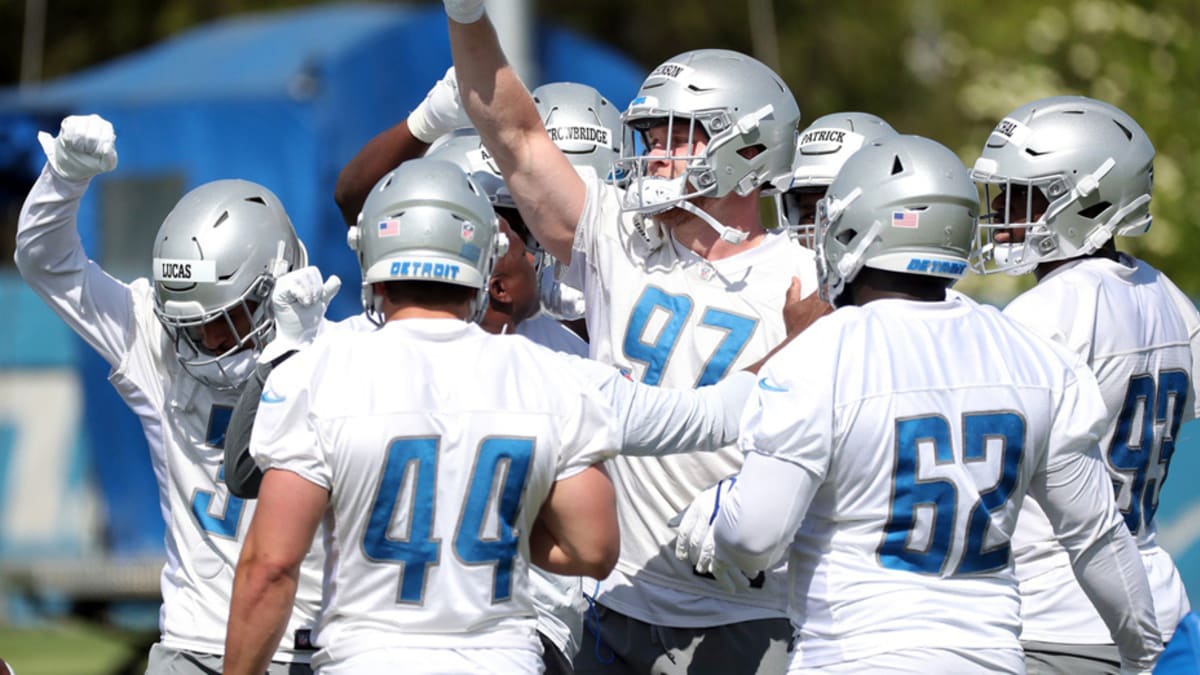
x=926, y=422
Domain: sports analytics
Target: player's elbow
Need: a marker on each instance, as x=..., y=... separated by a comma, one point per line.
x=349, y=199
x=745, y=548
x=598, y=559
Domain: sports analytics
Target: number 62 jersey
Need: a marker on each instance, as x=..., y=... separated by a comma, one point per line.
x=925, y=423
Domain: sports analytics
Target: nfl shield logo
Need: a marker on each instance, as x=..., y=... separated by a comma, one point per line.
x=468, y=231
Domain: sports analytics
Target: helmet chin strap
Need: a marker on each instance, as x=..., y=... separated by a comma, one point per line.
x=727, y=233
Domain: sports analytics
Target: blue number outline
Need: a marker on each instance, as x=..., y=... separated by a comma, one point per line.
x=417, y=551
x=909, y=491
x=893, y=551
x=1132, y=457
x=1009, y=429
x=513, y=457
x=506, y=458
x=657, y=355
x=228, y=522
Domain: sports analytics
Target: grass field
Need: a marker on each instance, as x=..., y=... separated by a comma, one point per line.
x=74, y=648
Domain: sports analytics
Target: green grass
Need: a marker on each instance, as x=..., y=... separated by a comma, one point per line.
x=74, y=648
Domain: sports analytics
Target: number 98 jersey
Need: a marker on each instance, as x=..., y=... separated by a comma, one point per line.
x=1140, y=335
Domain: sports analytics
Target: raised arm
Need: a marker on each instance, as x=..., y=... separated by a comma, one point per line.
x=49, y=252
x=544, y=185
x=440, y=113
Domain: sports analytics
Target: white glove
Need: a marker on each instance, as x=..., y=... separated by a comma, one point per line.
x=86, y=145
x=558, y=299
x=441, y=112
x=464, y=11
x=299, y=301
x=694, y=540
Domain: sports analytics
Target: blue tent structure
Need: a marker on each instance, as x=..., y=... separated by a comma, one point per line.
x=284, y=99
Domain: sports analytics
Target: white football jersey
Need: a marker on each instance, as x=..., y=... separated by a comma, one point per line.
x=438, y=450
x=546, y=331
x=184, y=423
x=1141, y=336
x=925, y=423
x=673, y=319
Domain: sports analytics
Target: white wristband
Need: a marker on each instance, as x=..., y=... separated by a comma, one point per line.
x=421, y=127
x=464, y=11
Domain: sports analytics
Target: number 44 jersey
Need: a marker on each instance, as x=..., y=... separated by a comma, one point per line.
x=926, y=423
x=1140, y=335
x=438, y=444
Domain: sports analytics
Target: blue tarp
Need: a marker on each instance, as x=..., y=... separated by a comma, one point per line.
x=284, y=99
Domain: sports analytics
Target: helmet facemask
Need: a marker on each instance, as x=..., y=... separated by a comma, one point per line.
x=216, y=258
x=223, y=370
x=738, y=107
x=1081, y=166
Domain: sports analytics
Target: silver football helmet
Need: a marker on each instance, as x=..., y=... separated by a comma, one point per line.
x=821, y=150
x=745, y=110
x=901, y=204
x=216, y=258
x=582, y=123
x=1086, y=164
x=464, y=148
x=426, y=220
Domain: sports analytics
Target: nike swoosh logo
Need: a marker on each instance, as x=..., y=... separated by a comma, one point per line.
x=269, y=396
x=766, y=386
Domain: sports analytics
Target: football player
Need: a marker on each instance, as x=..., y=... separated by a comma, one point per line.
x=1064, y=176
x=821, y=150
x=927, y=418
x=181, y=346
x=441, y=472
x=682, y=286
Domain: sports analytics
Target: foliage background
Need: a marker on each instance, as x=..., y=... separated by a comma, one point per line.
x=947, y=69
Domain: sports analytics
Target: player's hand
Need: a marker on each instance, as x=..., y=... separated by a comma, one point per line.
x=464, y=11
x=801, y=312
x=558, y=300
x=441, y=112
x=85, y=146
x=299, y=301
x=694, y=525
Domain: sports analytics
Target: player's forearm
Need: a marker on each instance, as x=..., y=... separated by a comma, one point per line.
x=1112, y=575
x=48, y=243
x=493, y=95
x=659, y=421
x=262, y=602
x=760, y=515
x=381, y=154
